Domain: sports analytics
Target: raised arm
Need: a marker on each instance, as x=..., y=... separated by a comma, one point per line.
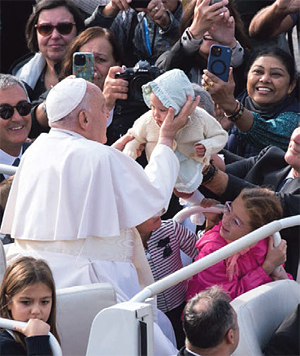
x=274, y=19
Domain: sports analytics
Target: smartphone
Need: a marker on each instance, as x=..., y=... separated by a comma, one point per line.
x=219, y=61
x=214, y=1
x=136, y=4
x=83, y=65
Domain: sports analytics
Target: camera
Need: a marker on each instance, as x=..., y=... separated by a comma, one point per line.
x=137, y=76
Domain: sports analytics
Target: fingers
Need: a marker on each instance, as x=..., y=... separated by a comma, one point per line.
x=121, y=142
x=19, y=329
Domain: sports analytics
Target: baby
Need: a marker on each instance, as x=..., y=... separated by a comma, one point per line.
x=194, y=144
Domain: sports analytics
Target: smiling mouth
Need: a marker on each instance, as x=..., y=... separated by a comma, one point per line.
x=17, y=128
x=207, y=38
x=263, y=89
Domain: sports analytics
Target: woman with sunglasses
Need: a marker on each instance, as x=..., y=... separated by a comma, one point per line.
x=15, y=121
x=253, y=266
x=50, y=28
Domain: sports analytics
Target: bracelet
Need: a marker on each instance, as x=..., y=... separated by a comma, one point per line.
x=237, y=113
x=235, y=110
x=209, y=174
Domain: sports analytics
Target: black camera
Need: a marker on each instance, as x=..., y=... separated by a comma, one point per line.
x=137, y=76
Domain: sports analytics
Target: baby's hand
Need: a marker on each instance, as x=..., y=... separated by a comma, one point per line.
x=200, y=150
x=34, y=327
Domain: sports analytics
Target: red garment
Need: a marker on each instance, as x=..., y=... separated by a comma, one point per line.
x=249, y=273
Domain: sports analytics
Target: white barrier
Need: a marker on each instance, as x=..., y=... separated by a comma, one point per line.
x=9, y=324
x=215, y=257
x=7, y=169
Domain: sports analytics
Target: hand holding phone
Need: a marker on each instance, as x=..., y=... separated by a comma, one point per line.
x=83, y=65
x=219, y=61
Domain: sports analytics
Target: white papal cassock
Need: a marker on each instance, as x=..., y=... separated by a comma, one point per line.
x=75, y=202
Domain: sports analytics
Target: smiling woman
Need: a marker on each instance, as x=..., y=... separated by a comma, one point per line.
x=268, y=111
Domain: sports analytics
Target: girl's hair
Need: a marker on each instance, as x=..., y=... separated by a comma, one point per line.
x=240, y=35
x=284, y=57
x=22, y=273
x=30, y=30
x=87, y=35
x=262, y=204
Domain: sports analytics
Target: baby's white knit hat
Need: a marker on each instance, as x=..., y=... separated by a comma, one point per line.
x=171, y=88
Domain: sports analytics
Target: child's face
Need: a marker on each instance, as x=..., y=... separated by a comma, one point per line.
x=159, y=112
x=33, y=302
x=235, y=221
x=149, y=225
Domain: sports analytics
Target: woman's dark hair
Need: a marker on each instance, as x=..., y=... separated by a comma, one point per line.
x=285, y=58
x=30, y=30
x=85, y=36
x=20, y=274
x=240, y=34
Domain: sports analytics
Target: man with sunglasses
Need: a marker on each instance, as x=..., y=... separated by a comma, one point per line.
x=15, y=120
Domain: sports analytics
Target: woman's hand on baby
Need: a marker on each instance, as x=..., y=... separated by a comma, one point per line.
x=34, y=327
x=275, y=257
x=172, y=124
x=200, y=150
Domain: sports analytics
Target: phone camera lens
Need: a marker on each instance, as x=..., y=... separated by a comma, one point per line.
x=80, y=60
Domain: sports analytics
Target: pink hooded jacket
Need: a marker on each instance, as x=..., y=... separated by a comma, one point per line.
x=236, y=274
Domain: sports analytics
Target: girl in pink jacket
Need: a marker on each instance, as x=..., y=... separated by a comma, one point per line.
x=253, y=266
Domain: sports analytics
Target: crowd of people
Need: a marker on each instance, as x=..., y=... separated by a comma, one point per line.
x=100, y=171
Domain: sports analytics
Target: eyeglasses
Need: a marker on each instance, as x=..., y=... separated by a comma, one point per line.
x=7, y=111
x=228, y=211
x=64, y=28
x=167, y=248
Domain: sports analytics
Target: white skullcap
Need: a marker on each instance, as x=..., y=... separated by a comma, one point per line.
x=171, y=88
x=64, y=97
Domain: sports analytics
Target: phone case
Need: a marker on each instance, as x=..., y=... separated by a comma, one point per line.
x=219, y=61
x=83, y=65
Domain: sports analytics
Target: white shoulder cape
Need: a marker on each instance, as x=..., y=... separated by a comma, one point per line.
x=68, y=187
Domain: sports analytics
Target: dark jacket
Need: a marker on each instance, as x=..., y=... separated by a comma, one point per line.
x=35, y=345
x=129, y=29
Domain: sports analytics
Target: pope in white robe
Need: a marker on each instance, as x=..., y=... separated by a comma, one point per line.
x=75, y=202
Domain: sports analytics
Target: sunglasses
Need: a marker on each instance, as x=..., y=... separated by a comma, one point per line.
x=64, y=28
x=7, y=111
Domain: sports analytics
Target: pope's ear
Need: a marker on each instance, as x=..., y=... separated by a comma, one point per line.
x=83, y=119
